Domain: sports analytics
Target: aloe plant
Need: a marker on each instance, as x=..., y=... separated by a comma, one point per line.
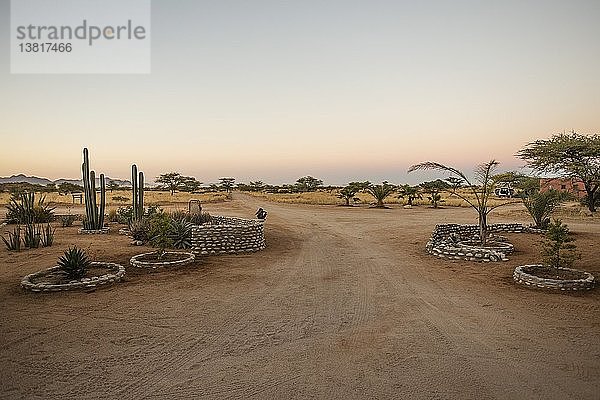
x=94, y=212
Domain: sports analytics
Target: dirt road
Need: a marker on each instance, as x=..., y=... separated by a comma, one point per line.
x=343, y=303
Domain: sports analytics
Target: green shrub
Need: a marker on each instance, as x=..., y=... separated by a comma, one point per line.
x=541, y=205
x=558, y=248
x=124, y=215
x=13, y=242
x=74, y=263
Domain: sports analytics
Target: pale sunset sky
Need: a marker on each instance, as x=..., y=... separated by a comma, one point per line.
x=341, y=90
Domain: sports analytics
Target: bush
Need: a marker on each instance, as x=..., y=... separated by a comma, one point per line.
x=541, y=205
x=22, y=209
x=74, y=263
x=67, y=220
x=199, y=219
x=124, y=215
x=112, y=215
x=120, y=198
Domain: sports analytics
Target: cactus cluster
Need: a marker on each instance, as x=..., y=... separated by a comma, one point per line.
x=94, y=212
x=137, y=188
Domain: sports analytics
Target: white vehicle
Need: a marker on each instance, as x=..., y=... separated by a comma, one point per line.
x=504, y=191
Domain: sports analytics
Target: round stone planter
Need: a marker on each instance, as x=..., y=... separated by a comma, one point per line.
x=186, y=258
x=525, y=275
x=498, y=246
x=104, y=230
x=35, y=282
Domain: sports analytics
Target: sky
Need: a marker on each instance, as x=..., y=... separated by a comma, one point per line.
x=341, y=90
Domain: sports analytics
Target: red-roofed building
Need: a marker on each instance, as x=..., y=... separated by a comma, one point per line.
x=574, y=186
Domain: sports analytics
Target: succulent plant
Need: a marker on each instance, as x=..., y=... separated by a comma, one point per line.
x=74, y=263
x=94, y=212
x=137, y=188
x=181, y=233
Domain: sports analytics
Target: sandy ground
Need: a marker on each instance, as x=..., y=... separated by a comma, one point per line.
x=343, y=303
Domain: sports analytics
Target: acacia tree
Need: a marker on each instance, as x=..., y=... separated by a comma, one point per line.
x=112, y=185
x=570, y=155
x=484, y=178
x=411, y=193
x=349, y=191
x=308, y=184
x=227, y=184
x=380, y=192
x=174, y=181
x=433, y=189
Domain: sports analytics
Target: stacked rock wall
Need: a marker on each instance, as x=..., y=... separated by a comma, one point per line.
x=228, y=235
x=445, y=237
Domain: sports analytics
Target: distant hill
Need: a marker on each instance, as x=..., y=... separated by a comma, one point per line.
x=34, y=180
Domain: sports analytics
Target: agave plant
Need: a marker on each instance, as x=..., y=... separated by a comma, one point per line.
x=32, y=236
x=74, y=263
x=139, y=229
x=13, y=242
x=22, y=209
x=47, y=235
x=181, y=233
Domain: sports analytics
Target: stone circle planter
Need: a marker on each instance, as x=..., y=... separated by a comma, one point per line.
x=34, y=282
x=139, y=262
x=525, y=275
x=104, y=230
x=498, y=246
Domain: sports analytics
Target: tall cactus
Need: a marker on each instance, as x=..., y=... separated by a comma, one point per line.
x=94, y=214
x=137, y=187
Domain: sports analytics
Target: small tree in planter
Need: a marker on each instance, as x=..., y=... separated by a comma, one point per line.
x=558, y=248
x=481, y=189
x=160, y=233
x=555, y=273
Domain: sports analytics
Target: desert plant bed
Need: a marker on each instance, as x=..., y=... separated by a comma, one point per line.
x=53, y=280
